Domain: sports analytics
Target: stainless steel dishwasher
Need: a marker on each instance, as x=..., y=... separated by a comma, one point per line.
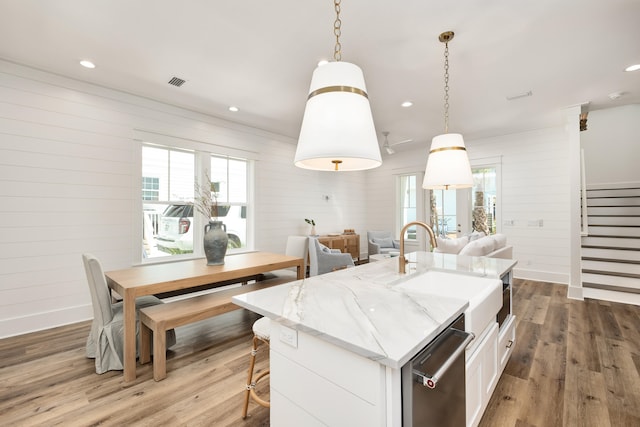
x=433, y=382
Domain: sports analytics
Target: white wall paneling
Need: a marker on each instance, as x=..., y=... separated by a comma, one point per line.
x=69, y=174
x=535, y=186
x=612, y=134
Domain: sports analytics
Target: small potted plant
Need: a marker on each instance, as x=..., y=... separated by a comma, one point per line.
x=312, y=223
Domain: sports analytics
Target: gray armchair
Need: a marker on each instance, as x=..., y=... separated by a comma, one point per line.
x=381, y=242
x=324, y=260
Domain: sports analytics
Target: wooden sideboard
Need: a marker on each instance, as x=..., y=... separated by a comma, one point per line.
x=347, y=243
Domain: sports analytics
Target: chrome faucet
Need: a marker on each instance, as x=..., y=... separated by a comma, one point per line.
x=432, y=241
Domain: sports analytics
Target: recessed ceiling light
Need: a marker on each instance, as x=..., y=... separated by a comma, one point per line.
x=634, y=67
x=234, y=109
x=87, y=64
x=406, y=104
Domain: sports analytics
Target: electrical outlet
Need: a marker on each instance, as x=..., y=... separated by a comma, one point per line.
x=289, y=336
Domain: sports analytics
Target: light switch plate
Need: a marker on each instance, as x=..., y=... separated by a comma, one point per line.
x=289, y=336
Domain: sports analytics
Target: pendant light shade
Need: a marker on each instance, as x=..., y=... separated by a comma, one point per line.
x=337, y=128
x=447, y=165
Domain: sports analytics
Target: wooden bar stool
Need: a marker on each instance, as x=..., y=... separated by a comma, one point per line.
x=261, y=333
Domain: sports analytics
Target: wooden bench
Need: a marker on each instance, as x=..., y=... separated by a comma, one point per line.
x=158, y=319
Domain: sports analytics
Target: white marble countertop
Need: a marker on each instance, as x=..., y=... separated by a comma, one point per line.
x=368, y=311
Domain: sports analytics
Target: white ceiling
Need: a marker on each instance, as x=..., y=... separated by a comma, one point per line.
x=259, y=56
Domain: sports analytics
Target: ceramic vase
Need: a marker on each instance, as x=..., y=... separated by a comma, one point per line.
x=215, y=242
x=313, y=230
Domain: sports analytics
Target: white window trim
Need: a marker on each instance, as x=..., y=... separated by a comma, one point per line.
x=202, y=153
x=420, y=242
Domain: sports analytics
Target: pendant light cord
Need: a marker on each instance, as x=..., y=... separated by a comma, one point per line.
x=446, y=87
x=337, y=30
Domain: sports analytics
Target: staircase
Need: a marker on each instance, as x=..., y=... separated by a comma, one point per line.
x=611, y=250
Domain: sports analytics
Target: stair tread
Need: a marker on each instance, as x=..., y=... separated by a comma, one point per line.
x=611, y=287
x=612, y=248
x=611, y=273
x=621, y=261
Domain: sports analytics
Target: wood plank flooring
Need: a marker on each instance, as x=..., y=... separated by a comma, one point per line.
x=574, y=364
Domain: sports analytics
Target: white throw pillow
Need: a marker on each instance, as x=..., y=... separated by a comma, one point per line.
x=480, y=247
x=476, y=235
x=500, y=241
x=450, y=246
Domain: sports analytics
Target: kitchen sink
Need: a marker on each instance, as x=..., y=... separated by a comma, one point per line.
x=483, y=294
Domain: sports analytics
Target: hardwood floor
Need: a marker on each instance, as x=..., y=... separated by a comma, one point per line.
x=574, y=364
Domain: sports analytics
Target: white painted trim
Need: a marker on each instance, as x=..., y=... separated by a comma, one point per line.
x=612, y=185
x=146, y=136
x=584, y=231
x=572, y=129
x=541, y=276
x=575, y=293
x=46, y=320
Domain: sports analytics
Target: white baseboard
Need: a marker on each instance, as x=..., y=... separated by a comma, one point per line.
x=46, y=320
x=575, y=292
x=541, y=276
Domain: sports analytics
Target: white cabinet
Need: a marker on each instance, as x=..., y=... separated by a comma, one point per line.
x=482, y=374
x=506, y=341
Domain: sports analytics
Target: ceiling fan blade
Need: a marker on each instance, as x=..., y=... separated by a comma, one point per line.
x=401, y=142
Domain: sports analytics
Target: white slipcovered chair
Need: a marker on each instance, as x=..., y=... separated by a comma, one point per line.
x=105, y=341
x=324, y=260
x=381, y=242
x=298, y=246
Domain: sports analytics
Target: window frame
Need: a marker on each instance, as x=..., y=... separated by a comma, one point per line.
x=419, y=243
x=202, y=154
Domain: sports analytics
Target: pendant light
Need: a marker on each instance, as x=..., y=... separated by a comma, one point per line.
x=447, y=165
x=337, y=130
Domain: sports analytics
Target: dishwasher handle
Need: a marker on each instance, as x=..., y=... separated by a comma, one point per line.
x=432, y=380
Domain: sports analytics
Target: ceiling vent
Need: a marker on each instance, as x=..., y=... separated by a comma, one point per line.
x=176, y=81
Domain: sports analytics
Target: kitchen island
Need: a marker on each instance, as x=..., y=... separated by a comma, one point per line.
x=339, y=340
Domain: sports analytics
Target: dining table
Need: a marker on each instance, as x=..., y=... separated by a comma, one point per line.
x=153, y=279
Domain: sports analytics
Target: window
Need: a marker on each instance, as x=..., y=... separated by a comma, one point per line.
x=408, y=203
x=150, y=188
x=168, y=181
x=229, y=176
x=484, y=200
x=444, y=214
x=167, y=188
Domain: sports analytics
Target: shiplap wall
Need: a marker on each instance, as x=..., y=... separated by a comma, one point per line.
x=68, y=173
x=612, y=134
x=535, y=186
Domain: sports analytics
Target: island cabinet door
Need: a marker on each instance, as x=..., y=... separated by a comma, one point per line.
x=506, y=341
x=314, y=382
x=481, y=375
